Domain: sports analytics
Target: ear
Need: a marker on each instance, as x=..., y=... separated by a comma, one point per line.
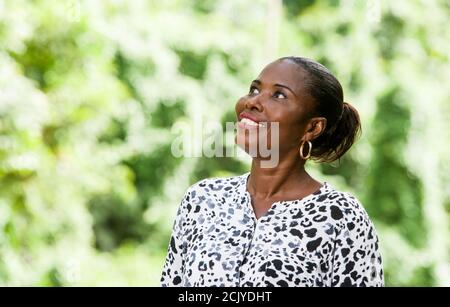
x=314, y=128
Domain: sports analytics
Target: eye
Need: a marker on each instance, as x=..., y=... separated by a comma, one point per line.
x=253, y=90
x=279, y=95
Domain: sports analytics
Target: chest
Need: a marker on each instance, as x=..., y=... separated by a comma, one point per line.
x=279, y=248
x=261, y=207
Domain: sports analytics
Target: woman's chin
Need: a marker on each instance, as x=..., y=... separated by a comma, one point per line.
x=252, y=146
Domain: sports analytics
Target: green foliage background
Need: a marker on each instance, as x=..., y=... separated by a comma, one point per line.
x=90, y=93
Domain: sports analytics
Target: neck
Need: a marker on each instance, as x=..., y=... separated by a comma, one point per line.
x=266, y=183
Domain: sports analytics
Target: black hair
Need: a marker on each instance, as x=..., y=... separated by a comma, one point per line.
x=343, y=122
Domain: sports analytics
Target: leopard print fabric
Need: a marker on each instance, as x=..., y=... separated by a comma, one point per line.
x=324, y=239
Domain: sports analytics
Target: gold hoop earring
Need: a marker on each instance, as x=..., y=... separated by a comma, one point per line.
x=309, y=150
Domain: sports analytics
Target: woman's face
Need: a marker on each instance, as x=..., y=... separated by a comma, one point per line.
x=275, y=96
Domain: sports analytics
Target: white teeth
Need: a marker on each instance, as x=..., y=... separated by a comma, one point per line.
x=250, y=122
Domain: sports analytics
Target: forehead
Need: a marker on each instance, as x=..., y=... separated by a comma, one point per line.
x=283, y=72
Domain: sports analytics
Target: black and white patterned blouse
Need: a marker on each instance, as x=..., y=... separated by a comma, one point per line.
x=324, y=239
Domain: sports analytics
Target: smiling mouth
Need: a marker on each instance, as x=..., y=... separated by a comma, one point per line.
x=247, y=123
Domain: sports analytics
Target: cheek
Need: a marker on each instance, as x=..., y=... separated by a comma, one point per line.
x=291, y=131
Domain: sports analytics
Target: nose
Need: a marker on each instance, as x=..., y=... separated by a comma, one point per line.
x=254, y=103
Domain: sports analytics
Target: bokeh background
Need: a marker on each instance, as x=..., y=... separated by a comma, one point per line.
x=90, y=93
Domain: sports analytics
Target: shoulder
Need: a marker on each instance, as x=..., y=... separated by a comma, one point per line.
x=212, y=191
x=216, y=185
x=345, y=208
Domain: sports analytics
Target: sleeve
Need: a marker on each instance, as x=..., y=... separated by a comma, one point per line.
x=357, y=260
x=173, y=270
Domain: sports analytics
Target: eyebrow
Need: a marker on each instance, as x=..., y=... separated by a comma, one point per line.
x=276, y=84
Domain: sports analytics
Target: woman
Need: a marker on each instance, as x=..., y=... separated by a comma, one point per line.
x=278, y=226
